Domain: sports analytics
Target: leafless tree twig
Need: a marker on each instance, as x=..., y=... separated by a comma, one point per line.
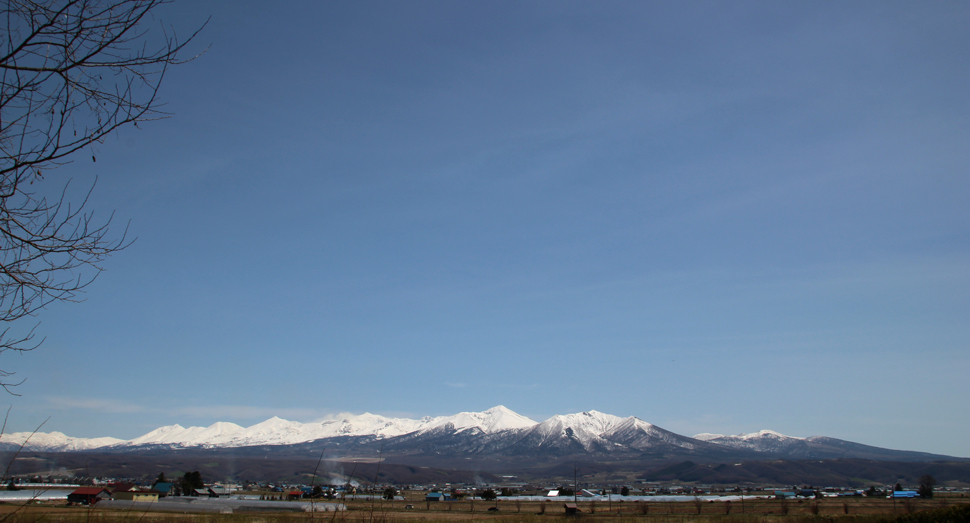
x=72, y=72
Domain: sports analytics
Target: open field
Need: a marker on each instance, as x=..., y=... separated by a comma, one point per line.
x=854, y=510
x=662, y=511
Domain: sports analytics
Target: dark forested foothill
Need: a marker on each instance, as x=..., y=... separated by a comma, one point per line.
x=844, y=472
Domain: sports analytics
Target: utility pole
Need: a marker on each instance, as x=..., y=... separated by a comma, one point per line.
x=575, y=486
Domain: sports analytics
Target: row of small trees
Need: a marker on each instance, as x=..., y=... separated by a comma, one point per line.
x=925, y=489
x=189, y=482
x=926, y=484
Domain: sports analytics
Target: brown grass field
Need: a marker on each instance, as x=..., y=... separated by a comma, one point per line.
x=854, y=510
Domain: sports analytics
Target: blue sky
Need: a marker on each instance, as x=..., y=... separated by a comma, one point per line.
x=717, y=217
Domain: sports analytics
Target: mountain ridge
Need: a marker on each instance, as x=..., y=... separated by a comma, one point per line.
x=497, y=432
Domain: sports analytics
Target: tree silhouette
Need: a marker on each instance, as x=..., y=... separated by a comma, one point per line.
x=926, y=484
x=389, y=493
x=72, y=72
x=192, y=480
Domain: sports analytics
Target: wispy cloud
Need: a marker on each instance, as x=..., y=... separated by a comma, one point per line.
x=209, y=412
x=516, y=385
x=248, y=412
x=111, y=406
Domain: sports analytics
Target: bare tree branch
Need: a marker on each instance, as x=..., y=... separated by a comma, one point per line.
x=71, y=73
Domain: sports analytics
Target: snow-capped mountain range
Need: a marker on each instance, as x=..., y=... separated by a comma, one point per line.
x=762, y=441
x=495, y=432
x=277, y=431
x=55, y=441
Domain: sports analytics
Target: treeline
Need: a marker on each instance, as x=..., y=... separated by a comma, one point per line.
x=837, y=472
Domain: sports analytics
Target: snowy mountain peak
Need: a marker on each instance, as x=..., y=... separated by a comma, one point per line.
x=590, y=421
x=55, y=441
x=502, y=418
x=707, y=436
x=767, y=434
x=761, y=441
x=222, y=427
x=630, y=423
x=275, y=421
x=761, y=434
x=495, y=419
x=159, y=435
x=366, y=424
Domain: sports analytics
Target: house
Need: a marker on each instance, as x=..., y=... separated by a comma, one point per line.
x=136, y=495
x=204, y=492
x=434, y=496
x=88, y=495
x=121, y=487
x=163, y=488
x=220, y=490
